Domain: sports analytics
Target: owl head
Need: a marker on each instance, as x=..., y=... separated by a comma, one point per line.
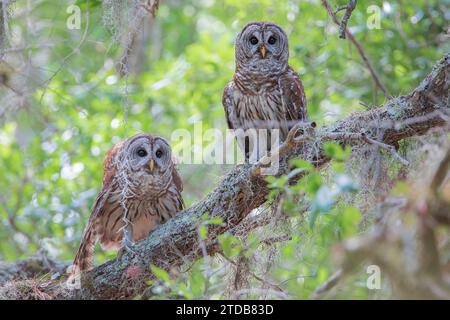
x=144, y=163
x=262, y=47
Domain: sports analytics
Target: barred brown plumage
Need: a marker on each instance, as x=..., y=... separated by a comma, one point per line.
x=265, y=93
x=141, y=189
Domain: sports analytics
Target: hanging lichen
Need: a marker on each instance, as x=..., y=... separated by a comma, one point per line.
x=5, y=14
x=120, y=16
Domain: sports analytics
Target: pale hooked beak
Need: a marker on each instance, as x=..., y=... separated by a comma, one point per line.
x=151, y=165
x=263, y=51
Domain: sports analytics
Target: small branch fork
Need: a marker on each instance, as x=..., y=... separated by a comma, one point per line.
x=346, y=136
x=344, y=31
x=348, y=12
x=329, y=284
x=307, y=132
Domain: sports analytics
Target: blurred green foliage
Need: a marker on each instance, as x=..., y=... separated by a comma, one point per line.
x=74, y=106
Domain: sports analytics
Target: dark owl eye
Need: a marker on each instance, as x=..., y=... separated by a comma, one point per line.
x=141, y=153
x=272, y=40
x=158, y=153
x=253, y=40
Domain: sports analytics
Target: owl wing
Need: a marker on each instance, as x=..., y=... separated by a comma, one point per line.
x=84, y=256
x=228, y=105
x=179, y=186
x=177, y=179
x=293, y=97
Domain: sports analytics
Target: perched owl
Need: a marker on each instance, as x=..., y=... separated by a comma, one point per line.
x=265, y=93
x=141, y=189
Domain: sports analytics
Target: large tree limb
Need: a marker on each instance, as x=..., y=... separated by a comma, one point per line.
x=244, y=189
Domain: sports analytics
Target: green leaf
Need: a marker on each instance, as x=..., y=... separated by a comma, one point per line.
x=205, y=216
x=183, y=289
x=312, y=217
x=401, y=188
x=197, y=284
x=230, y=245
x=160, y=273
x=203, y=231
x=338, y=167
x=271, y=179
x=336, y=152
x=277, y=183
x=215, y=221
x=302, y=164
x=290, y=208
x=312, y=182
x=348, y=220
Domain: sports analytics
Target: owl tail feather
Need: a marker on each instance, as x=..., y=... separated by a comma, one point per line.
x=84, y=257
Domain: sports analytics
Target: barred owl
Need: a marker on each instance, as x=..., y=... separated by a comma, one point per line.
x=265, y=93
x=141, y=189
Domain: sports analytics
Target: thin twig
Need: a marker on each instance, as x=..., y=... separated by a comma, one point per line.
x=329, y=284
x=344, y=136
x=348, y=12
x=75, y=51
x=436, y=114
x=387, y=147
x=273, y=240
x=360, y=49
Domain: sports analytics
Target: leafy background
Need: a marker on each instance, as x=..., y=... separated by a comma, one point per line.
x=64, y=104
